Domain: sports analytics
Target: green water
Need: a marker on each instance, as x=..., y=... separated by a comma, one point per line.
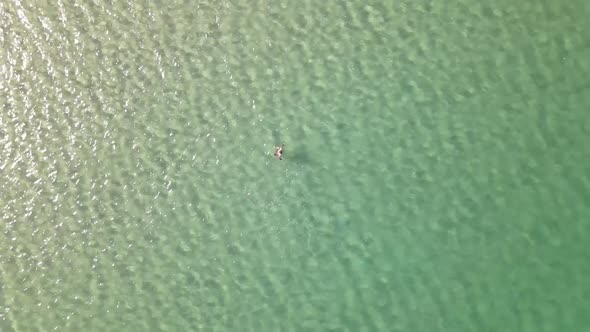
x=436, y=174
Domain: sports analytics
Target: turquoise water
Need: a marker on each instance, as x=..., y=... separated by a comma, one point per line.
x=435, y=177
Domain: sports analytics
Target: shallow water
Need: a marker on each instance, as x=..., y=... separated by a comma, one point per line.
x=435, y=177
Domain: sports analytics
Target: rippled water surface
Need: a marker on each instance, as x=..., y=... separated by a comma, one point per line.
x=436, y=173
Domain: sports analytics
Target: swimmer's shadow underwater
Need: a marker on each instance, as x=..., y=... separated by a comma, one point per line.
x=298, y=155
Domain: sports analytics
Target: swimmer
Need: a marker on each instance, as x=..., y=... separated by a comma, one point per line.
x=279, y=151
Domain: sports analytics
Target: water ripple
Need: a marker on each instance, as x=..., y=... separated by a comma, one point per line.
x=432, y=155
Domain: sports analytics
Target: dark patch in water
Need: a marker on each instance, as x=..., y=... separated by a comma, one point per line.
x=342, y=225
x=298, y=155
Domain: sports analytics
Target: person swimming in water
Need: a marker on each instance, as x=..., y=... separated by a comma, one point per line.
x=279, y=151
